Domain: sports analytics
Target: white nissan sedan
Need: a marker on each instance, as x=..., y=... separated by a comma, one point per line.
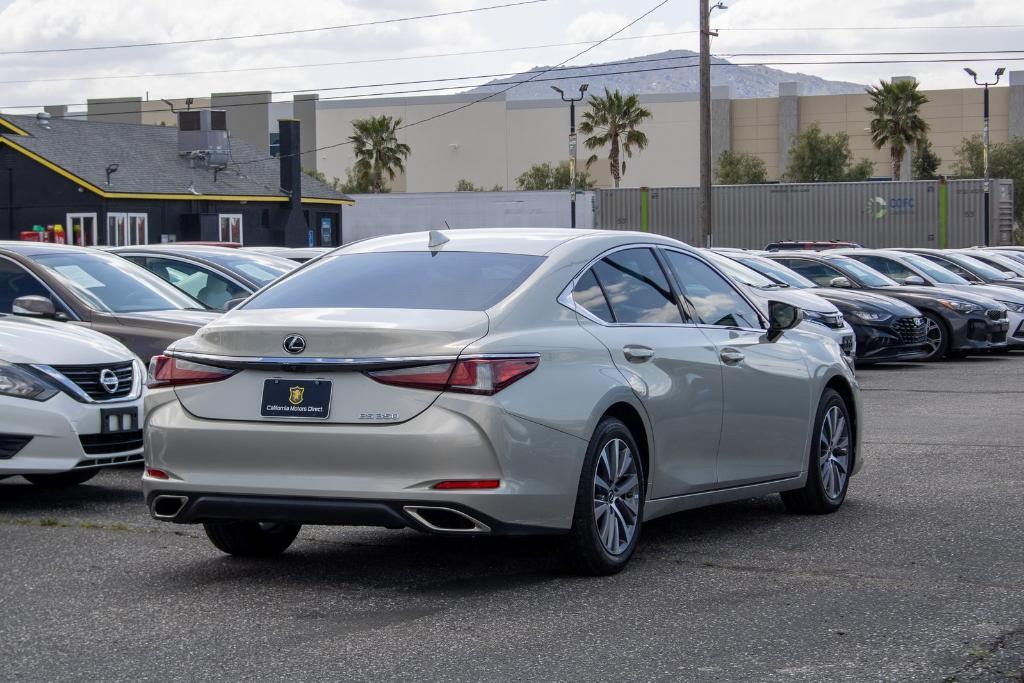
x=497, y=382
x=70, y=401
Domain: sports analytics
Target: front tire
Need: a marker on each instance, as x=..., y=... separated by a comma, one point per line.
x=61, y=479
x=251, y=539
x=937, y=338
x=830, y=461
x=609, y=501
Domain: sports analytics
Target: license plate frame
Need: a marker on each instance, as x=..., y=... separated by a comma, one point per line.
x=287, y=399
x=119, y=416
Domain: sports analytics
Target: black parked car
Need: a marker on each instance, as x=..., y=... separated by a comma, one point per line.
x=887, y=329
x=958, y=321
x=213, y=275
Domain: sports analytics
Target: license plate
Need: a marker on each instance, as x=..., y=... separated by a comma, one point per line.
x=308, y=399
x=114, y=420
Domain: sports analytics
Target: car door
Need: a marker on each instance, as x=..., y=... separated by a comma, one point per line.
x=767, y=387
x=628, y=303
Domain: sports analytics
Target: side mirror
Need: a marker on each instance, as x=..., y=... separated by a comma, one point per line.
x=841, y=283
x=231, y=303
x=782, y=317
x=914, y=280
x=34, y=306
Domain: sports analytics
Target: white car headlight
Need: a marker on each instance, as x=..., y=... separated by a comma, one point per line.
x=21, y=383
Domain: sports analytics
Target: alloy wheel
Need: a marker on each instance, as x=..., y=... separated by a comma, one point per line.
x=616, y=496
x=934, y=336
x=834, y=452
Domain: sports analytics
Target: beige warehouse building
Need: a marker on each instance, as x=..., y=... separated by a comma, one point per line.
x=494, y=141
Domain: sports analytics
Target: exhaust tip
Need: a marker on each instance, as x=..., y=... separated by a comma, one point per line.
x=446, y=519
x=167, y=507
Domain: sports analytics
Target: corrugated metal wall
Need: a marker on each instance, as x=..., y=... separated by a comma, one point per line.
x=374, y=215
x=875, y=214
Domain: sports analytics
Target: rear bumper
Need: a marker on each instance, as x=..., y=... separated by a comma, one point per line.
x=275, y=464
x=453, y=519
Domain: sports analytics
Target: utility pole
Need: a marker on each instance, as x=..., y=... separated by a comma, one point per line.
x=572, y=148
x=985, y=154
x=706, y=212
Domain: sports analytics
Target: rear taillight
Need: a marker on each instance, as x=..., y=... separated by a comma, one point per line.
x=485, y=376
x=167, y=371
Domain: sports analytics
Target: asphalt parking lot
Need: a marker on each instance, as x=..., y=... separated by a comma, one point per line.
x=919, y=577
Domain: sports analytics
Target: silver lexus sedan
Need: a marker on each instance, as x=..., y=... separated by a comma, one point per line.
x=496, y=382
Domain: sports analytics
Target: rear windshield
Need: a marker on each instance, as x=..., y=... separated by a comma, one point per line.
x=453, y=281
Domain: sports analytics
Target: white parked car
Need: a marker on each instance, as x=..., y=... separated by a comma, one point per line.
x=70, y=402
x=820, y=316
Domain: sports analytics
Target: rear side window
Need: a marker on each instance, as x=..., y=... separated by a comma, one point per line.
x=453, y=281
x=637, y=288
x=588, y=295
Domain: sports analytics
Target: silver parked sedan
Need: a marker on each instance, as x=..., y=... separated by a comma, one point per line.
x=496, y=382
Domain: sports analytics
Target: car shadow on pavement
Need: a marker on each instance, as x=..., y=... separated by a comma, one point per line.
x=17, y=496
x=458, y=567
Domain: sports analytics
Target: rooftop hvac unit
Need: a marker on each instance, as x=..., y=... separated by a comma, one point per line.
x=203, y=136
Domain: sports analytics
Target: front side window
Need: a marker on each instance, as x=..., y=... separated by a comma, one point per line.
x=887, y=266
x=636, y=288
x=209, y=288
x=445, y=280
x=935, y=272
x=714, y=299
x=15, y=281
x=818, y=273
x=869, y=277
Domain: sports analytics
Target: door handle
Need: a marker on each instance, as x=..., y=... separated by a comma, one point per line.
x=731, y=356
x=637, y=354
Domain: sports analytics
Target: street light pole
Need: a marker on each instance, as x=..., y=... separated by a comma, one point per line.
x=985, y=154
x=706, y=214
x=572, y=148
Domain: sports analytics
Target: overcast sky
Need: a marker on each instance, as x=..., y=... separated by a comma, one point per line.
x=38, y=24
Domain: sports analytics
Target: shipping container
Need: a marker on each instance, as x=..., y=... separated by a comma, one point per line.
x=876, y=214
x=374, y=215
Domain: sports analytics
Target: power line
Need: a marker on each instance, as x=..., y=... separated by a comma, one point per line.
x=193, y=41
x=535, y=76
x=868, y=28
x=80, y=115
x=349, y=62
x=483, y=52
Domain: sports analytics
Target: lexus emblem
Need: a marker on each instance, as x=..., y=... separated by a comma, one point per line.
x=294, y=343
x=109, y=380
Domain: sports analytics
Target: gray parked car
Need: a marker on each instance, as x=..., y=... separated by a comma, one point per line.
x=497, y=382
x=211, y=275
x=85, y=286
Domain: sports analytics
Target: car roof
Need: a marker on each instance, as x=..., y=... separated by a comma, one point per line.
x=528, y=241
x=38, y=248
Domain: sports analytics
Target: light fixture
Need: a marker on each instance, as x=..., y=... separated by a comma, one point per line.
x=111, y=170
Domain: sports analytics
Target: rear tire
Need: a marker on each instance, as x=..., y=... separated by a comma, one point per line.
x=938, y=338
x=609, y=502
x=830, y=460
x=61, y=479
x=251, y=539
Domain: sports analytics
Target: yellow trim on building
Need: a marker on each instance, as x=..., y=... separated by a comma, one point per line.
x=138, y=195
x=4, y=123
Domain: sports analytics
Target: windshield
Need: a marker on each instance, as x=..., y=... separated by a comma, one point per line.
x=739, y=272
x=447, y=280
x=776, y=271
x=112, y=284
x=978, y=267
x=867, y=276
x=260, y=268
x=1004, y=261
x=935, y=272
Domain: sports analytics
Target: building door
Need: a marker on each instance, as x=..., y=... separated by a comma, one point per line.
x=231, y=227
x=81, y=229
x=126, y=229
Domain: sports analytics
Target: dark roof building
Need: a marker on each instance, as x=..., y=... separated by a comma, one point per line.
x=118, y=183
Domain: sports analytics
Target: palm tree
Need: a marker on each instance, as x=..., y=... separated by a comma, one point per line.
x=377, y=150
x=896, y=106
x=615, y=118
